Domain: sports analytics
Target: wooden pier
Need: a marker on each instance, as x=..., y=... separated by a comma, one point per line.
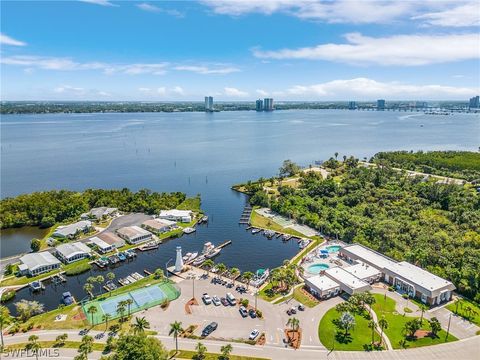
x=245, y=217
x=228, y=242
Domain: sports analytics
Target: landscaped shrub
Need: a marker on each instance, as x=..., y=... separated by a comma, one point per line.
x=79, y=269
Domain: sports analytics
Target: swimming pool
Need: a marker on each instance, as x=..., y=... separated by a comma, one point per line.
x=317, y=268
x=333, y=248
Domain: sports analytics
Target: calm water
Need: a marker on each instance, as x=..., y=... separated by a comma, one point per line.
x=206, y=154
x=14, y=241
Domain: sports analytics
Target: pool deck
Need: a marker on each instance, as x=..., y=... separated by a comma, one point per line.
x=315, y=258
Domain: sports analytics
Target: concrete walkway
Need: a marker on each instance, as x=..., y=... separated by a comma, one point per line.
x=385, y=339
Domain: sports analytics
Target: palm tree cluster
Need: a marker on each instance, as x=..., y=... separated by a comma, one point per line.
x=284, y=277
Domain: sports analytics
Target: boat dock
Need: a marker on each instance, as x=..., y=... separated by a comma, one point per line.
x=245, y=217
x=228, y=242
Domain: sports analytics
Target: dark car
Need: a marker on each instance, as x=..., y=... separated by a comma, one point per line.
x=252, y=313
x=209, y=329
x=301, y=307
x=224, y=302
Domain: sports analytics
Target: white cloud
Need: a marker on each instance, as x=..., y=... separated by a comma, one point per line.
x=162, y=90
x=206, y=70
x=67, y=64
x=99, y=2
x=368, y=89
x=156, y=9
x=144, y=89
x=403, y=50
x=261, y=92
x=460, y=16
x=69, y=90
x=7, y=40
x=234, y=92
x=178, y=90
x=104, y=93
x=340, y=11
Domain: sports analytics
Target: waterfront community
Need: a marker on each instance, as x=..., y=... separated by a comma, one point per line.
x=330, y=295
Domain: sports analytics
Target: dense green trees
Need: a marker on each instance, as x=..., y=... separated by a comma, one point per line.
x=48, y=207
x=433, y=225
x=458, y=164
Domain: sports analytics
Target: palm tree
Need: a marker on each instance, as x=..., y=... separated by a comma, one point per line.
x=201, y=350
x=33, y=345
x=140, y=325
x=221, y=268
x=60, y=339
x=247, y=277
x=175, y=330
x=383, y=323
x=294, y=323
x=92, y=310
x=346, y=321
x=208, y=264
x=422, y=308
x=226, y=350
x=86, y=347
x=234, y=271
x=159, y=274
x=129, y=303
x=4, y=319
x=435, y=326
x=336, y=155
x=105, y=318
x=371, y=325
x=88, y=287
x=110, y=277
x=121, y=309
x=100, y=279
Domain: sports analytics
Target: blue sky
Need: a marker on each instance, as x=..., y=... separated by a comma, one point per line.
x=239, y=50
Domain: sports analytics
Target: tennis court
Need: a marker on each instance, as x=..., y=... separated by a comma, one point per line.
x=138, y=299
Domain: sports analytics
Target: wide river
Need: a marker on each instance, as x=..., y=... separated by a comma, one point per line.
x=200, y=153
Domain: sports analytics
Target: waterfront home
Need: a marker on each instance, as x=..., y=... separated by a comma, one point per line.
x=176, y=215
x=70, y=231
x=99, y=213
x=102, y=246
x=159, y=226
x=322, y=286
x=38, y=263
x=72, y=252
x=134, y=234
x=405, y=277
x=111, y=239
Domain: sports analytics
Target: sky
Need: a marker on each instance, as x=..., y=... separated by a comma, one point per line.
x=240, y=50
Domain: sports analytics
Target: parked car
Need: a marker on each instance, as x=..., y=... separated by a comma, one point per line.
x=243, y=311
x=216, y=300
x=231, y=299
x=293, y=310
x=252, y=313
x=301, y=307
x=224, y=301
x=209, y=329
x=289, y=312
x=206, y=299
x=254, y=334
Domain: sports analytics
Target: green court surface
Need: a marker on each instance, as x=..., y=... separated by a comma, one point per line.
x=141, y=299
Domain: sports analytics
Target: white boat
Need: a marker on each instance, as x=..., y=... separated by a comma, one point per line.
x=213, y=253
x=207, y=247
x=260, y=277
x=200, y=260
x=189, y=230
x=190, y=256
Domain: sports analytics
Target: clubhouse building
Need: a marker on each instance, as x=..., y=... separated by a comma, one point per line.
x=365, y=267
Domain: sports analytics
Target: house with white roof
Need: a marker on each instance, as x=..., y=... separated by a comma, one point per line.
x=71, y=252
x=34, y=264
x=70, y=231
x=99, y=213
x=102, y=246
x=134, y=234
x=348, y=282
x=176, y=215
x=159, y=226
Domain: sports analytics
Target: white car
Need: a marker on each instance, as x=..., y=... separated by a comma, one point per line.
x=254, y=334
x=216, y=300
x=206, y=299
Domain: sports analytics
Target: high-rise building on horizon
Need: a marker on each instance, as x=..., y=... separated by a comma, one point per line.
x=352, y=105
x=259, y=105
x=474, y=102
x=208, y=103
x=268, y=104
x=381, y=104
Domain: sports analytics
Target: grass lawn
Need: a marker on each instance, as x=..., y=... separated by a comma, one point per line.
x=396, y=322
x=330, y=336
x=304, y=299
x=260, y=221
x=184, y=354
x=264, y=293
x=192, y=203
x=463, y=303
